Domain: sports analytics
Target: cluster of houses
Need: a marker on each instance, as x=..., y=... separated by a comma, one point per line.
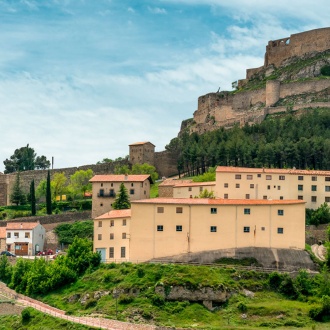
x=253, y=207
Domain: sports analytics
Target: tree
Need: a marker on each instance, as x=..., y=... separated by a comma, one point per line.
x=33, y=198
x=17, y=197
x=41, y=189
x=58, y=184
x=48, y=195
x=25, y=159
x=79, y=181
x=145, y=169
x=122, y=200
x=206, y=194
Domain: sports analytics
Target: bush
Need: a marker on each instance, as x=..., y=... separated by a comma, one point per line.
x=157, y=300
x=241, y=307
x=125, y=298
x=26, y=315
x=325, y=70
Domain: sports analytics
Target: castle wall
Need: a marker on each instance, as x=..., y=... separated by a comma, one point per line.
x=272, y=92
x=166, y=163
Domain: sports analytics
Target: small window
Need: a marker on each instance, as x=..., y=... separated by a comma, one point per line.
x=111, y=184
x=213, y=210
x=100, y=223
x=225, y=196
x=178, y=228
x=190, y=189
x=268, y=187
x=213, y=229
x=238, y=176
x=112, y=223
x=259, y=175
x=249, y=177
x=300, y=197
x=8, y=235
x=278, y=187
x=123, y=235
x=252, y=185
x=300, y=178
x=314, y=178
x=124, y=222
x=101, y=184
x=327, y=178
x=101, y=194
x=237, y=185
x=179, y=210
x=246, y=229
x=131, y=191
x=16, y=235
x=132, y=184
x=247, y=196
x=112, y=236
x=99, y=237
x=160, y=209
x=160, y=228
x=111, y=252
x=280, y=212
x=314, y=199
x=327, y=200
x=300, y=187
x=263, y=228
x=123, y=252
x=280, y=230
x=226, y=185
x=281, y=197
x=247, y=211
x=314, y=188
x=268, y=177
x=327, y=188
x=282, y=177
x=264, y=197
x=101, y=204
x=27, y=234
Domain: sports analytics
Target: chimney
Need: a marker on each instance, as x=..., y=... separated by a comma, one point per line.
x=126, y=177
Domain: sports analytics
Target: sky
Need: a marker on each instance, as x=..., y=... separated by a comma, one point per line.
x=80, y=80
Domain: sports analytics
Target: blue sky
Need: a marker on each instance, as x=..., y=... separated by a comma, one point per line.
x=82, y=79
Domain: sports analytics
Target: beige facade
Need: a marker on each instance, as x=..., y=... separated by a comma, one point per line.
x=192, y=189
x=111, y=235
x=142, y=152
x=105, y=188
x=258, y=183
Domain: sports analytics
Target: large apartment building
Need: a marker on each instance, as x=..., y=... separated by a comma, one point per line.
x=105, y=188
x=278, y=184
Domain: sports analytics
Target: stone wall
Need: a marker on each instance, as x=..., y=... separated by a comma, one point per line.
x=166, y=163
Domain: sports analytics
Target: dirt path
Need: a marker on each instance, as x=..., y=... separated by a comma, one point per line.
x=97, y=322
x=319, y=251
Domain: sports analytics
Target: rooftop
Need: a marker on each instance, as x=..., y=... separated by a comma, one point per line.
x=141, y=143
x=120, y=178
x=195, y=184
x=126, y=213
x=21, y=225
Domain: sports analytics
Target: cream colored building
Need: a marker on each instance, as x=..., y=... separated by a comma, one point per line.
x=192, y=189
x=111, y=235
x=105, y=188
x=163, y=227
x=258, y=183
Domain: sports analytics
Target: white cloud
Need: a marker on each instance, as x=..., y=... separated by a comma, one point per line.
x=156, y=10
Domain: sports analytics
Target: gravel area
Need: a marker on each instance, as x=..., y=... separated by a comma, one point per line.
x=10, y=309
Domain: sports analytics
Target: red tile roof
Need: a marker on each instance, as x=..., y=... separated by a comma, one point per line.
x=173, y=182
x=120, y=178
x=21, y=225
x=217, y=201
x=232, y=169
x=195, y=184
x=2, y=232
x=126, y=213
x=140, y=143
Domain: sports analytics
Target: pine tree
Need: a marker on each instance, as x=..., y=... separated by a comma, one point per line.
x=17, y=197
x=48, y=195
x=33, y=198
x=122, y=200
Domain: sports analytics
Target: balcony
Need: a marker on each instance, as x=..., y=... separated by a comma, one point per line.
x=106, y=195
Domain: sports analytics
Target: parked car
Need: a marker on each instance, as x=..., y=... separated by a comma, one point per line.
x=8, y=254
x=45, y=253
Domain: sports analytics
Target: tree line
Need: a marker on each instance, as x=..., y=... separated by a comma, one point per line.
x=278, y=142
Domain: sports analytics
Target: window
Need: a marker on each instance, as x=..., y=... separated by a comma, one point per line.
x=112, y=223
x=101, y=184
x=327, y=178
x=112, y=236
x=252, y=185
x=278, y=187
x=160, y=209
x=327, y=200
x=179, y=210
x=263, y=228
x=300, y=178
x=213, y=210
x=132, y=184
x=16, y=235
x=264, y=197
x=124, y=222
x=314, y=178
x=111, y=184
x=313, y=199
x=268, y=177
x=225, y=196
x=112, y=193
x=101, y=193
x=27, y=234
x=101, y=204
x=237, y=185
x=281, y=197
x=200, y=189
x=178, y=228
x=280, y=212
x=131, y=191
x=111, y=252
x=314, y=188
x=189, y=189
x=213, y=229
x=282, y=177
x=123, y=235
x=247, y=196
x=99, y=237
x=280, y=230
x=247, y=211
x=300, y=197
x=160, y=228
x=246, y=229
x=8, y=235
x=327, y=188
x=300, y=187
x=238, y=176
x=100, y=223
x=123, y=252
x=226, y=185
x=268, y=187
x=259, y=175
x=249, y=177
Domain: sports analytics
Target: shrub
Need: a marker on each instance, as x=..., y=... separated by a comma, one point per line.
x=157, y=300
x=325, y=70
x=90, y=303
x=241, y=307
x=125, y=299
x=26, y=315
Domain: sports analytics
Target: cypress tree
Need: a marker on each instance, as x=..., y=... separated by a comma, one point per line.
x=17, y=196
x=48, y=195
x=33, y=198
x=122, y=200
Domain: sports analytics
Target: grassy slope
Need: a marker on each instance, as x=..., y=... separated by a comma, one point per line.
x=267, y=309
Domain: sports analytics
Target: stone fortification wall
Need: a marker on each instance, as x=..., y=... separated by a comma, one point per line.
x=166, y=163
x=277, y=51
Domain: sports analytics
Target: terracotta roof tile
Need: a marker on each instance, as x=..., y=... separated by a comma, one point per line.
x=232, y=169
x=140, y=143
x=173, y=182
x=21, y=225
x=120, y=178
x=217, y=201
x=195, y=184
x=126, y=213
